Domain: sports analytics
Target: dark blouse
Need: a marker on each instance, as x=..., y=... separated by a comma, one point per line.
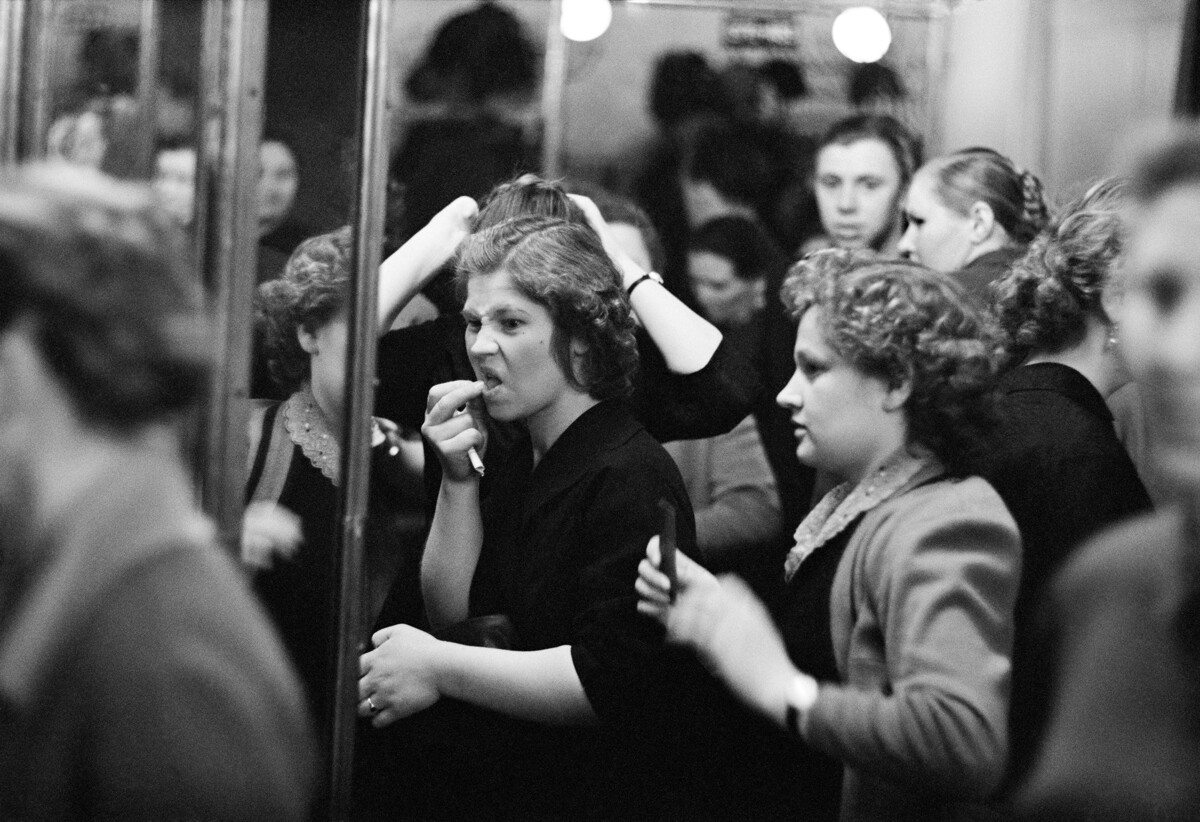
x=299, y=593
x=562, y=542
x=1057, y=463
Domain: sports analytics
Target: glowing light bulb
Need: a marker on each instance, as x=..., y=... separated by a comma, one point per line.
x=860, y=33
x=584, y=20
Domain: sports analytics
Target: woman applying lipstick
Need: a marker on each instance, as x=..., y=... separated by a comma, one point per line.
x=546, y=726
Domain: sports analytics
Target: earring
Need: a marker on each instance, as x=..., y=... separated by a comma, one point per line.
x=1110, y=343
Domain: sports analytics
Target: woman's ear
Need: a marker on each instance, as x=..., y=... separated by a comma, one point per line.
x=579, y=350
x=983, y=221
x=760, y=293
x=897, y=396
x=307, y=339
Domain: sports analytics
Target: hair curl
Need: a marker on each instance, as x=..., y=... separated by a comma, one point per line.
x=901, y=322
x=562, y=266
x=978, y=174
x=99, y=272
x=313, y=289
x=1042, y=304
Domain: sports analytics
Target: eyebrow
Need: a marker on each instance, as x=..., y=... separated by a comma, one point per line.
x=500, y=310
x=804, y=355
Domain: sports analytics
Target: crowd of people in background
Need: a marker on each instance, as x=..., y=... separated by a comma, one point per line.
x=773, y=476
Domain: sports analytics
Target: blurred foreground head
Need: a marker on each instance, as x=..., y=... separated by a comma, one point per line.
x=1159, y=320
x=92, y=275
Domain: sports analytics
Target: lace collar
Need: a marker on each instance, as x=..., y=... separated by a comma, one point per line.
x=308, y=428
x=844, y=503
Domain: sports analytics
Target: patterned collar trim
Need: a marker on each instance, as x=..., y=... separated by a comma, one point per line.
x=307, y=427
x=846, y=502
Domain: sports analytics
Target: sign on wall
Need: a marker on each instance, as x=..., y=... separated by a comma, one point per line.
x=759, y=30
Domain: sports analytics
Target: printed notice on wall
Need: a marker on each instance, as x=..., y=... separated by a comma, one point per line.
x=759, y=30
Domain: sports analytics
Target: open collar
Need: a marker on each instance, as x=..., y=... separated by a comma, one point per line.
x=603, y=427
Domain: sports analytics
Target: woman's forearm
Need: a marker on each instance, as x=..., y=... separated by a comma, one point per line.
x=687, y=340
x=408, y=269
x=540, y=686
x=451, y=553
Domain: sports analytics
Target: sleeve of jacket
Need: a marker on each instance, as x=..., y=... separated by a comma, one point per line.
x=927, y=687
x=744, y=501
x=691, y=406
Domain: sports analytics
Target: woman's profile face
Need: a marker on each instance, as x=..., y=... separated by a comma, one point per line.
x=937, y=236
x=837, y=410
x=858, y=189
x=1159, y=327
x=724, y=297
x=509, y=341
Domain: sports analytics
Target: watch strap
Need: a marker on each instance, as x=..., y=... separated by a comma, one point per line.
x=649, y=275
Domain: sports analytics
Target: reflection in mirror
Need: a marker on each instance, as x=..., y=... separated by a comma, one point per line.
x=109, y=91
x=293, y=532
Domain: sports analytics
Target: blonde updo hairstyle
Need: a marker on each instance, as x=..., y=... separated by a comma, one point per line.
x=1043, y=303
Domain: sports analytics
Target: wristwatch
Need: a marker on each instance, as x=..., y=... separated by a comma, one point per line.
x=649, y=275
x=801, y=695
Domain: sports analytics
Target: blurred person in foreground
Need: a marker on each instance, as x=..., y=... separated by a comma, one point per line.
x=1123, y=736
x=138, y=678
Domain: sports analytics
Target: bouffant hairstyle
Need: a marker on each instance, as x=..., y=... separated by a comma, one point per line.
x=524, y=196
x=313, y=289
x=976, y=174
x=901, y=142
x=1042, y=304
x=99, y=273
x=563, y=266
x=742, y=241
x=901, y=322
x=530, y=195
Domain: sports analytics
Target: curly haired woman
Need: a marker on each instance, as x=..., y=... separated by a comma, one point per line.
x=889, y=649
x=294, y=458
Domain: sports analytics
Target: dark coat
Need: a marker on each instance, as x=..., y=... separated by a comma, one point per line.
x=139, y=680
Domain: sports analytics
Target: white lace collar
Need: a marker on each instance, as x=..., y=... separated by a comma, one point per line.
x=308, y=428
x=845, y=502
